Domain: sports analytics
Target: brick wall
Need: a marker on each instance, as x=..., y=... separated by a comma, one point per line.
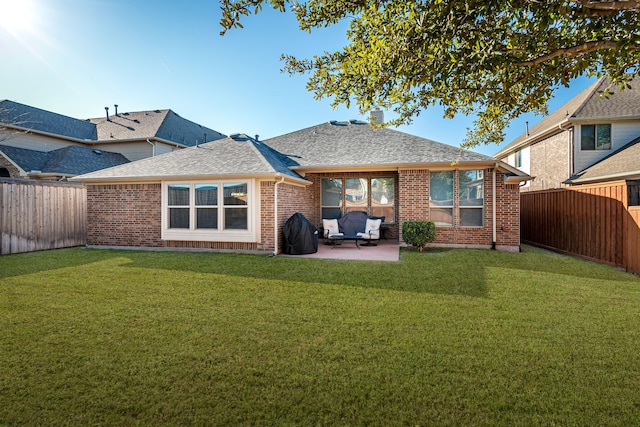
x=413, y=205
x=549, y=162
x=124, y=215
x=130, y=215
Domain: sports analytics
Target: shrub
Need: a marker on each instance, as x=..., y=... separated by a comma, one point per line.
x=418, y=233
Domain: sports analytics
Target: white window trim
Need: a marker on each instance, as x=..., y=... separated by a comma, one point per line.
x=484, y=198
x=210, y=235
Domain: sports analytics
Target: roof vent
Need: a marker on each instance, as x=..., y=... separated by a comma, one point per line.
x=98, y=152
x=107, y=110
x=333, y=122
x=157, y=111
x=116, y=106
x=353, y=121
x=234, y=136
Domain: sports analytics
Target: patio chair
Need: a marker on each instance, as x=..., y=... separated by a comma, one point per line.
x=371, y=232
x=330, y=227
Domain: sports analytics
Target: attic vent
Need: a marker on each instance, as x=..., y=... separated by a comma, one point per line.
x=333, y=122
x=130, y=128
x=234, y=136
x=136, y=121
x=353, y=121
x=125, y=114
x=157, y=111
x=98, y=152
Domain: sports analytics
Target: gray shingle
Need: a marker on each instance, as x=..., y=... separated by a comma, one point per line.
x=27, y=160
x=72, y=160
x=356, y=143
x=240, y=155
x=164, y=124
x=27, y=117
x=588, y=104
x=624, y=163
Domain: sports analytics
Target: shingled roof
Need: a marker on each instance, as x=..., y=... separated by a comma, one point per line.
x=67, y=161
x=587, y=105
x=236, y=156
x=26, y=117
x=355, y=143
x=621, y=164
x=349, y=146
x=162, y=124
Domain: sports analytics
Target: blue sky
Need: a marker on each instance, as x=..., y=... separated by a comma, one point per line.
x=76, y=57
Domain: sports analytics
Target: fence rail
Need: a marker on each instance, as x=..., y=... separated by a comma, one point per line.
x=593, y=222
x=40, y=215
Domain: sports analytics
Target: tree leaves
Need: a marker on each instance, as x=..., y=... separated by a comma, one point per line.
x=492, y=59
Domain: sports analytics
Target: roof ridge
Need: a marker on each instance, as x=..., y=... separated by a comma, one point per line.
x=594, y=88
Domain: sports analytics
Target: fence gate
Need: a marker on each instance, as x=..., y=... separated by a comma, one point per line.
x=40, y=215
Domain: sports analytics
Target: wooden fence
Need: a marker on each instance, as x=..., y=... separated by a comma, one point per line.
x=593, y=222
x=39, y=215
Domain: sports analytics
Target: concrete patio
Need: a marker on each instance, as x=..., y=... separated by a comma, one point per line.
x=386, y=250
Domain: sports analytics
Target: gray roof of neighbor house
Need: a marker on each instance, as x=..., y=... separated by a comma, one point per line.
x=161, y=124
x=31, y=118
x=587, y=105
x=356, y=144
x=623, y=163
x=67, y=161
x=238, y=155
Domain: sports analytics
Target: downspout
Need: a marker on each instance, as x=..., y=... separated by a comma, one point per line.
x=153, y=151
x=493, y=210
x=275, y=215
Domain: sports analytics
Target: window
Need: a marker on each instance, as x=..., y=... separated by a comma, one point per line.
x=467, y=208
x=595, y=137
x=383, y=198
x=213, y=211
x=356, y=194
x=331, y=198
x=471, y=198
x=519, y=159
x=441, y=198
x=372, y=194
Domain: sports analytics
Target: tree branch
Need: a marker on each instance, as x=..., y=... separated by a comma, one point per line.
x=571, y=51
x=612, y=5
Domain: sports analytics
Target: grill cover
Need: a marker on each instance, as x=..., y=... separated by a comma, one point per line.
x=300, y=236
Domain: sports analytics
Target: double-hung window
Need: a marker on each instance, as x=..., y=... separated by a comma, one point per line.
x=210, y=211
x=441, y=198
x=457, y=198
x=595, y=137
x=471, y=198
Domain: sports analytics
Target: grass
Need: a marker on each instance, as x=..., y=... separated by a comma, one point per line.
x=445, y=337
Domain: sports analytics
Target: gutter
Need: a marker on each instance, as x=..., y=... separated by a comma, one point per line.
x=153, y=152
x=275, y=215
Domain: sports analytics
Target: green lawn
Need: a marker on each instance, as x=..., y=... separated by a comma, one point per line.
x=444, y=337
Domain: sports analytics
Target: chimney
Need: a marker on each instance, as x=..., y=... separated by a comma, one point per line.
x=107, y=110
x=377, y=116
x=116, y=105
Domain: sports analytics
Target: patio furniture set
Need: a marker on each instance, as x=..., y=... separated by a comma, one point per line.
x=353, y=226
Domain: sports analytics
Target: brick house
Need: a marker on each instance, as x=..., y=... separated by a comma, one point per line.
x=236, y=193
x=589, y=128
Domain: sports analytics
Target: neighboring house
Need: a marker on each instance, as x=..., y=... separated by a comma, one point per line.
x=56, y=164
x=237, y=193
x=129, y=136
x=589, y=128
